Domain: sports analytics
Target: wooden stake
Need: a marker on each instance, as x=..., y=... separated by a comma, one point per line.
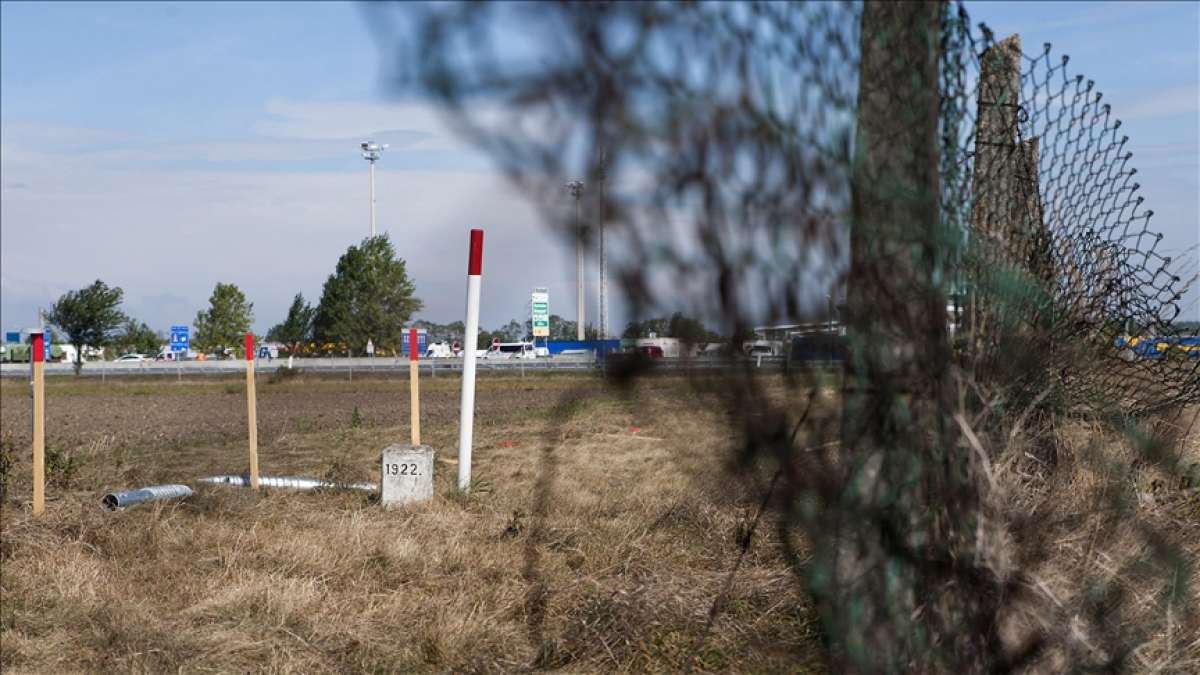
x=414, y=386
x=36, y=358
x=252, y=410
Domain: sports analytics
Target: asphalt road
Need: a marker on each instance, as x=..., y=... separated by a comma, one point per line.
x=365, y=365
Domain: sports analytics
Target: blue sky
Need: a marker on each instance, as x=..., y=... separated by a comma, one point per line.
x=165, y=147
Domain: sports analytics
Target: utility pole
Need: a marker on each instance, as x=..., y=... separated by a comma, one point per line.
x=603, y=261
x=372, y=152
x=576, y=188
x=899, y=438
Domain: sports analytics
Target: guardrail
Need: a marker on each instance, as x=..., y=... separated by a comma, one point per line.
x=363, y=366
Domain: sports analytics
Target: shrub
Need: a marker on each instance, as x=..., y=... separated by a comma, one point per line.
x=283, y=374
x=61, y=467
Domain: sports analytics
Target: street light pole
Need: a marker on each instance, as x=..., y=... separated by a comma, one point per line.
x=576, y=188
x=372, y=152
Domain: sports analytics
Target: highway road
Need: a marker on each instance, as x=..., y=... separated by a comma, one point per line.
x=350, y=366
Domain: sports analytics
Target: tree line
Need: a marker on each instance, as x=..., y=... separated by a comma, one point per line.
x=368, y=297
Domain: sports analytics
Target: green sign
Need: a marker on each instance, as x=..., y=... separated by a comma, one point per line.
x=539, y=313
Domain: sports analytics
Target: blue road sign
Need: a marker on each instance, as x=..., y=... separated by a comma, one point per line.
x=422, y=341
x=179, y=338
x=12, y=337
x=46, y=347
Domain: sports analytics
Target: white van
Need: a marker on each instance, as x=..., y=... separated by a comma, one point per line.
x=511, y=350
x=438, y=350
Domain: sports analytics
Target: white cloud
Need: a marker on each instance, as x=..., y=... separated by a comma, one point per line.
x=168, y=235
x=1183, y=100
x=354, y=120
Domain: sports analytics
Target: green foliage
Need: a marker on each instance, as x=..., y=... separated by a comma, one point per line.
x=225, y=322
x=562, y=329
x=297, y=328
x=369, y=296
x=514, y=331
x=441, y=332
x=137, y=338
x=61, y=467
x=679, y=326
x=356, y=419
x=88, y=316
x=283, y=374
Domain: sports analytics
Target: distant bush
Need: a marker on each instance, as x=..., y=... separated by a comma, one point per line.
x=283, y=374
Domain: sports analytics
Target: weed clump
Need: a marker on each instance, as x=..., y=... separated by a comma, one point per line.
x=8, y=459
x=283, y=374
x=61, y=467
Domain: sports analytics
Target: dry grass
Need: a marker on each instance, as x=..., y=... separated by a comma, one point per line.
x=587, y=547
x=1106, y=529
x=602, y=529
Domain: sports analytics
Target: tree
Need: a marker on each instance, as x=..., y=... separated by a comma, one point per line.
x=226, y=321
x=297, y=328
x=642, y=329
x=88, y=316
x=564, y=330
x=441, y=332
x=136, y=337
x=685, y=328
x=513, y=331
x=369, y=296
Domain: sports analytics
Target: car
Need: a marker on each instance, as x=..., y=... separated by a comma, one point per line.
x=131, y=357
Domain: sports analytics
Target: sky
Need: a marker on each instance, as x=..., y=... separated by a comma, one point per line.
x=166, y=147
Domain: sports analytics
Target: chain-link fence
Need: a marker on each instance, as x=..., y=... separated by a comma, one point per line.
x=972, y=209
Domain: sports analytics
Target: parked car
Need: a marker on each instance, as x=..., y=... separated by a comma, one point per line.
x=131, y=357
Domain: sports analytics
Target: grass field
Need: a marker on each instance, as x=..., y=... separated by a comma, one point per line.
x=603, y=525
x=601, y=529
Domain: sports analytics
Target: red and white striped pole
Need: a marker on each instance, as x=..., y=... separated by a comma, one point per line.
x=467, y=412
x=252, y=410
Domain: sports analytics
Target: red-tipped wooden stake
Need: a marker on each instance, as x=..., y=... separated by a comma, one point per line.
x=37, y=357
x=252, y=410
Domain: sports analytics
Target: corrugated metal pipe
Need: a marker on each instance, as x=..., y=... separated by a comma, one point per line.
x=292, y=482
x=119, y=500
